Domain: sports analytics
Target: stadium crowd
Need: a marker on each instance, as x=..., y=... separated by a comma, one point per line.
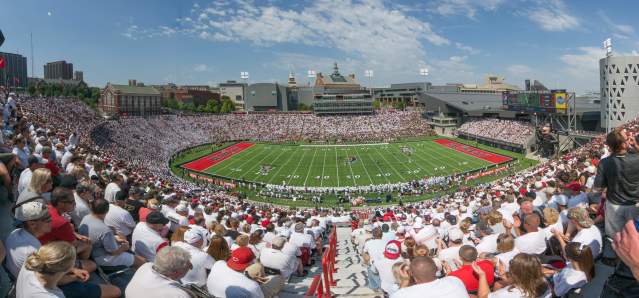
x=81, y=222
x=538, y=233
x=96, y=215
x=509, y=131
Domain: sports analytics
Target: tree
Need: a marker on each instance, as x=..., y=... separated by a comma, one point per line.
x=212, y=106
x=377, y=104
x=31, y=89
x=401, y=105
x=227, y=106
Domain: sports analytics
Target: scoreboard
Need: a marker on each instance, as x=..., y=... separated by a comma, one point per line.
x=553, y=102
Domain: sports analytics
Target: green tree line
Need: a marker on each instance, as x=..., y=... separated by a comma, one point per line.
x=90, y=95
x=212, y=106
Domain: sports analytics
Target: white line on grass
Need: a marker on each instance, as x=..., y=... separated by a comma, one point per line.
x=363, y=166
x=323, y=165
x=298, y=166
x=310, y=166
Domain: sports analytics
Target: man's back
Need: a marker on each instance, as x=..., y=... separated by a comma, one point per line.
x=449, y=287
x=226, y=282
x=620, y=175
x=148, y=283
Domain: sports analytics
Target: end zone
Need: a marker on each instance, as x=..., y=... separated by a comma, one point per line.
x=216, y=157
x=474, y=152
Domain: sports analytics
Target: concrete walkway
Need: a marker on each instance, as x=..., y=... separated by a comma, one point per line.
x=351, y=275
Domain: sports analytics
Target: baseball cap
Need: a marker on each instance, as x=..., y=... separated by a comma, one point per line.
x=33, y=210
x=240, y=259
x=192, y=236
x=156, y=217
x=181, y=208
x=580, y=215
x=392, y=250
x=455, y=234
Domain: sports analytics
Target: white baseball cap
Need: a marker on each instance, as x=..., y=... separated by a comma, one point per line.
x=192, y=236
x=33, y=210
x=455, y=234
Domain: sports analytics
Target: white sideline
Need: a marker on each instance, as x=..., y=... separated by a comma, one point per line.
x=346, y=145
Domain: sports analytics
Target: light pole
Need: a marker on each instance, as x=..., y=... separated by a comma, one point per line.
x=244, y=75
x=424, y=73
x=369, y=74
x=607, y=45
x=311, y=75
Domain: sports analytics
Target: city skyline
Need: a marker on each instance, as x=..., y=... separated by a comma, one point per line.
x=208, y=42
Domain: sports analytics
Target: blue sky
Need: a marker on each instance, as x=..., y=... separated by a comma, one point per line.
x=205, y=42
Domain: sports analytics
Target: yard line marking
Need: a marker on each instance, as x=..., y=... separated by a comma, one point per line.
x=250, y=171
x=336, y=166
x=389, y=164
x=310, y=166
x=281, y=167
x=398, y=160
x=323, y=164
x=298, y=166
x=363, y=166
x=350, y=165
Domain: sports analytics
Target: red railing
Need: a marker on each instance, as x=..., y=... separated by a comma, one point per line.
x=321, y=285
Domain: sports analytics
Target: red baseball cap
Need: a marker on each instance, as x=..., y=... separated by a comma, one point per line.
x=574, y=186
x=240, y=259
x=393, y=249
x=265, y=222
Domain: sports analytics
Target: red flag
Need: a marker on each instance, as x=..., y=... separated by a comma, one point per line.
x=2, y=63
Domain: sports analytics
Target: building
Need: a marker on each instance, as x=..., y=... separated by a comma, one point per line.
x=14, y=73
x=58, y=70
x=133, y=99
x=235, y=92
x=266, y=97
x=78, y=75
x=619, y=87
x=336, y=94
x=408, y=93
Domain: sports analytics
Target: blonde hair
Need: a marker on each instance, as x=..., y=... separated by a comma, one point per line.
x=242, y=240
x=495, y=217
x=401, y=279
x=54, y=257
x=505, y=242
x=551, y=216
x=38, y=179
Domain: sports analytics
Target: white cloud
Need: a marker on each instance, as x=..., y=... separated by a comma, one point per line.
x=518, y=69
x=200, y=68
x=469, y=8
x=584, y=64
x=455, y=69
x=621, y=31
x=467, y=48
x=553, y=15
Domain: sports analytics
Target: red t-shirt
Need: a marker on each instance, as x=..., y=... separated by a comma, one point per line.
x=143, y=212
x=470, y=278
x=61, y=228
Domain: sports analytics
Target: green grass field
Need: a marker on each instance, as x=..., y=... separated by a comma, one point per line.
x=328, y=166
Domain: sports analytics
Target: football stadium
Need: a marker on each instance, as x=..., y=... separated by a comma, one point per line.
x=155, y=171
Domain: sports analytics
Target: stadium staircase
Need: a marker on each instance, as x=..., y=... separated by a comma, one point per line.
x=349, y=277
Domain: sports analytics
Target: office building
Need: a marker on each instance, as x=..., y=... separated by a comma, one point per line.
x=58, y=70
x=14, y=73
x=133, y=99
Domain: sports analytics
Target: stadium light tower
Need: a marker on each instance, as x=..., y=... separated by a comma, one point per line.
x=369, y=74
x=607, y=45
x=424, y=73
x=311, y=75
x=244, y=75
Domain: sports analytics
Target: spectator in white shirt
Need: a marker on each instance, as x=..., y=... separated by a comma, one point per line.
x=162, y=277
x=275, y=258
x=587, y=232
x=202, y=262
x=146, y=238
x=25, y=177
x=384, y=266
x=118, y=218
x=113, y=187
x=373, y=249
x=450, y=255
x=83, y=194
x=423, y=272
x=44, y=269
x=227, y=278
x=179, y=218
x=534, y=241
x=579, y=270
x=506, y=249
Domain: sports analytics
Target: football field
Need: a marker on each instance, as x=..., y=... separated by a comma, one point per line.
x=343, y=165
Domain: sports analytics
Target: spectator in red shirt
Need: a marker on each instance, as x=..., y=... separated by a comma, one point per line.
x=468, y=255
x=51, y=163
x=62, y=202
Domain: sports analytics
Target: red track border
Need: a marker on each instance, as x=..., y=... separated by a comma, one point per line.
x=472, y=151
x=216, y=157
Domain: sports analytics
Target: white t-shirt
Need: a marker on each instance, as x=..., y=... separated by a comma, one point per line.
x=148, y=283
x=19, y=245
x=201, y=262
x=488, y=244
x=302, y=240
x=375, y=248
x=506, y=257
x=591, y=237
x=384, y=268
x=226, y=282
x=80, y=211
x=449, y=287
x=510, y=292
x=25, y=179
x=531, y=243
x=449, y=255
x=110, y=191
x=28, y=286
x=276, y=259
x=568, y=278
x=145, y=241
x=119, y=219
